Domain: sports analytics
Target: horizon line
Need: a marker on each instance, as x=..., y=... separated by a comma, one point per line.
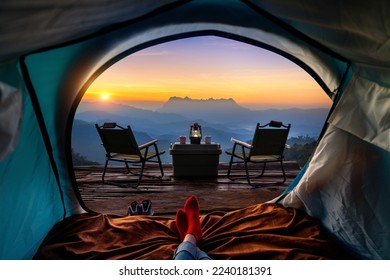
x=255, y=107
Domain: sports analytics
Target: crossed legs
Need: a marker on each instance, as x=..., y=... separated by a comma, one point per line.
x=190, y=230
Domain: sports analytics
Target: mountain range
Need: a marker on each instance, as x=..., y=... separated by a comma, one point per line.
x=219, y=118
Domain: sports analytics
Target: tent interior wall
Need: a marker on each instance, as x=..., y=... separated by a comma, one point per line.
x=49, y=58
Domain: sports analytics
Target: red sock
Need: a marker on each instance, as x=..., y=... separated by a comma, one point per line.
x=181, y=223
x=192, y=212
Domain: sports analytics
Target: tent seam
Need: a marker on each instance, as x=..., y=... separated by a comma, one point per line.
x=42, y=126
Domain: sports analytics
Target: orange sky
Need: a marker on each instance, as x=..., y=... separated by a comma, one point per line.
x=205, y=67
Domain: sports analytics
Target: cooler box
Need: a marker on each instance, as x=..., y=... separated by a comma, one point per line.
x=195, y=160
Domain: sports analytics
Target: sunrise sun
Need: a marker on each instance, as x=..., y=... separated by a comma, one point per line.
x=105, y=96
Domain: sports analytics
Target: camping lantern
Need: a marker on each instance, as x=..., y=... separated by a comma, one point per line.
x=195, y=133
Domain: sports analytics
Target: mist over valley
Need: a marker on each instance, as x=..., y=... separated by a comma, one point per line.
x=220, y=118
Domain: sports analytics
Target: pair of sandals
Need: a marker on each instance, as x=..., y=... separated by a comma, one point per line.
x=143, y=207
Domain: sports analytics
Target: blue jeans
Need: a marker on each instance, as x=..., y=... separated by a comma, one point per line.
x=189, y=251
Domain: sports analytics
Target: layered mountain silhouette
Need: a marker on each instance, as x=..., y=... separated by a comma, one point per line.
x=219, y=118
x=213, y=110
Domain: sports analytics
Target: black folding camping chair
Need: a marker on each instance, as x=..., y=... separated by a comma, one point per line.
x=267, y=146
x=121, y=146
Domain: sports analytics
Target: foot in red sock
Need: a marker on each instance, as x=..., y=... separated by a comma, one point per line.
x=192, y=212
x=181, y=223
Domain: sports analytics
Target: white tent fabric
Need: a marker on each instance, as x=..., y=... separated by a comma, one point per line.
x=369, y=103
x=348, y=177
x=344, y=45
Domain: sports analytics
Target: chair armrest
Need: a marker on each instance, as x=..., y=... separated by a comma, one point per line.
x=241, y=143
x=150, y=143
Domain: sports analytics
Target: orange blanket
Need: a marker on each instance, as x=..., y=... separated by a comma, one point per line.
x=264, y=231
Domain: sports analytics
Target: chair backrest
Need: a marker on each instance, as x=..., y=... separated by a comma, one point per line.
x=117, y=139
x=270, y=139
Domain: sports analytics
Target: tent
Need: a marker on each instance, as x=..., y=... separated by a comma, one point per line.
x=50, y=52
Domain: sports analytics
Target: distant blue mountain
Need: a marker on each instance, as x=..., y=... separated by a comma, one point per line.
x=92, y=111
x=86, y=140
x=219, y=118
x=217, y=111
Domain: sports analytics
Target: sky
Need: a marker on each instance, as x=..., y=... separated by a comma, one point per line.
x=207, y=67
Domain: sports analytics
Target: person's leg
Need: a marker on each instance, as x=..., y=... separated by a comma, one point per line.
x=181, y=224
x=190, y=231
x=202, y=255
x=187, y=250
x=192, y=211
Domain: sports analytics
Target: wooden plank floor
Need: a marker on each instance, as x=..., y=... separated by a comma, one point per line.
x=169, y=193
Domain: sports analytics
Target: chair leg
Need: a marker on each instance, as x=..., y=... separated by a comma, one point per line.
x=104, y=170
x=160, y=164
x=230, y=168
x=128, y=169
x=159, y=160
x=247, y=173
x=248, y=177
x=140, y=175
x=262, y=172
x=284, y=174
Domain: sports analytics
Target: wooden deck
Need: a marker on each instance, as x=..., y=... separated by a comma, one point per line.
x=169, y=193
